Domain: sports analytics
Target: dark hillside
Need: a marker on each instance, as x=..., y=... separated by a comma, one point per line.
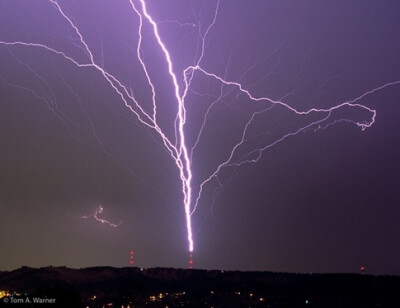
x=161, y=287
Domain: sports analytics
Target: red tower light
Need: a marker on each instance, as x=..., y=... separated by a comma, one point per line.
x=131, y=259
x=191, y=261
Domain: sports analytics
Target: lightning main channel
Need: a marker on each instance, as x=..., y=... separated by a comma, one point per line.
x=178, y=148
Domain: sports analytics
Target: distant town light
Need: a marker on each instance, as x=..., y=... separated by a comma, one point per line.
x=7, y=293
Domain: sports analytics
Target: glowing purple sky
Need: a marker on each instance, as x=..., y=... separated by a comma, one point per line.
x=296, y=81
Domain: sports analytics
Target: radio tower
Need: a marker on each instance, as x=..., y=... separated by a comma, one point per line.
x=190, y=261
x=131, y=260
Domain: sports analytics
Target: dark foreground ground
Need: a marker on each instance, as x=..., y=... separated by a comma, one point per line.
x=165, y=287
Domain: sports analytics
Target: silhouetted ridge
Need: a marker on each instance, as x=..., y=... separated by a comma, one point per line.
x=155, y=287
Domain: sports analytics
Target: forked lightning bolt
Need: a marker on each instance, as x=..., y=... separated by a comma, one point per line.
x=96, y=217
x=179, y=149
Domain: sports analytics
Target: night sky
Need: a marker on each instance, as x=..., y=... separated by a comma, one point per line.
x=325, y=199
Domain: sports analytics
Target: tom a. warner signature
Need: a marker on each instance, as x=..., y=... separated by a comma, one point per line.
x=29, y=300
